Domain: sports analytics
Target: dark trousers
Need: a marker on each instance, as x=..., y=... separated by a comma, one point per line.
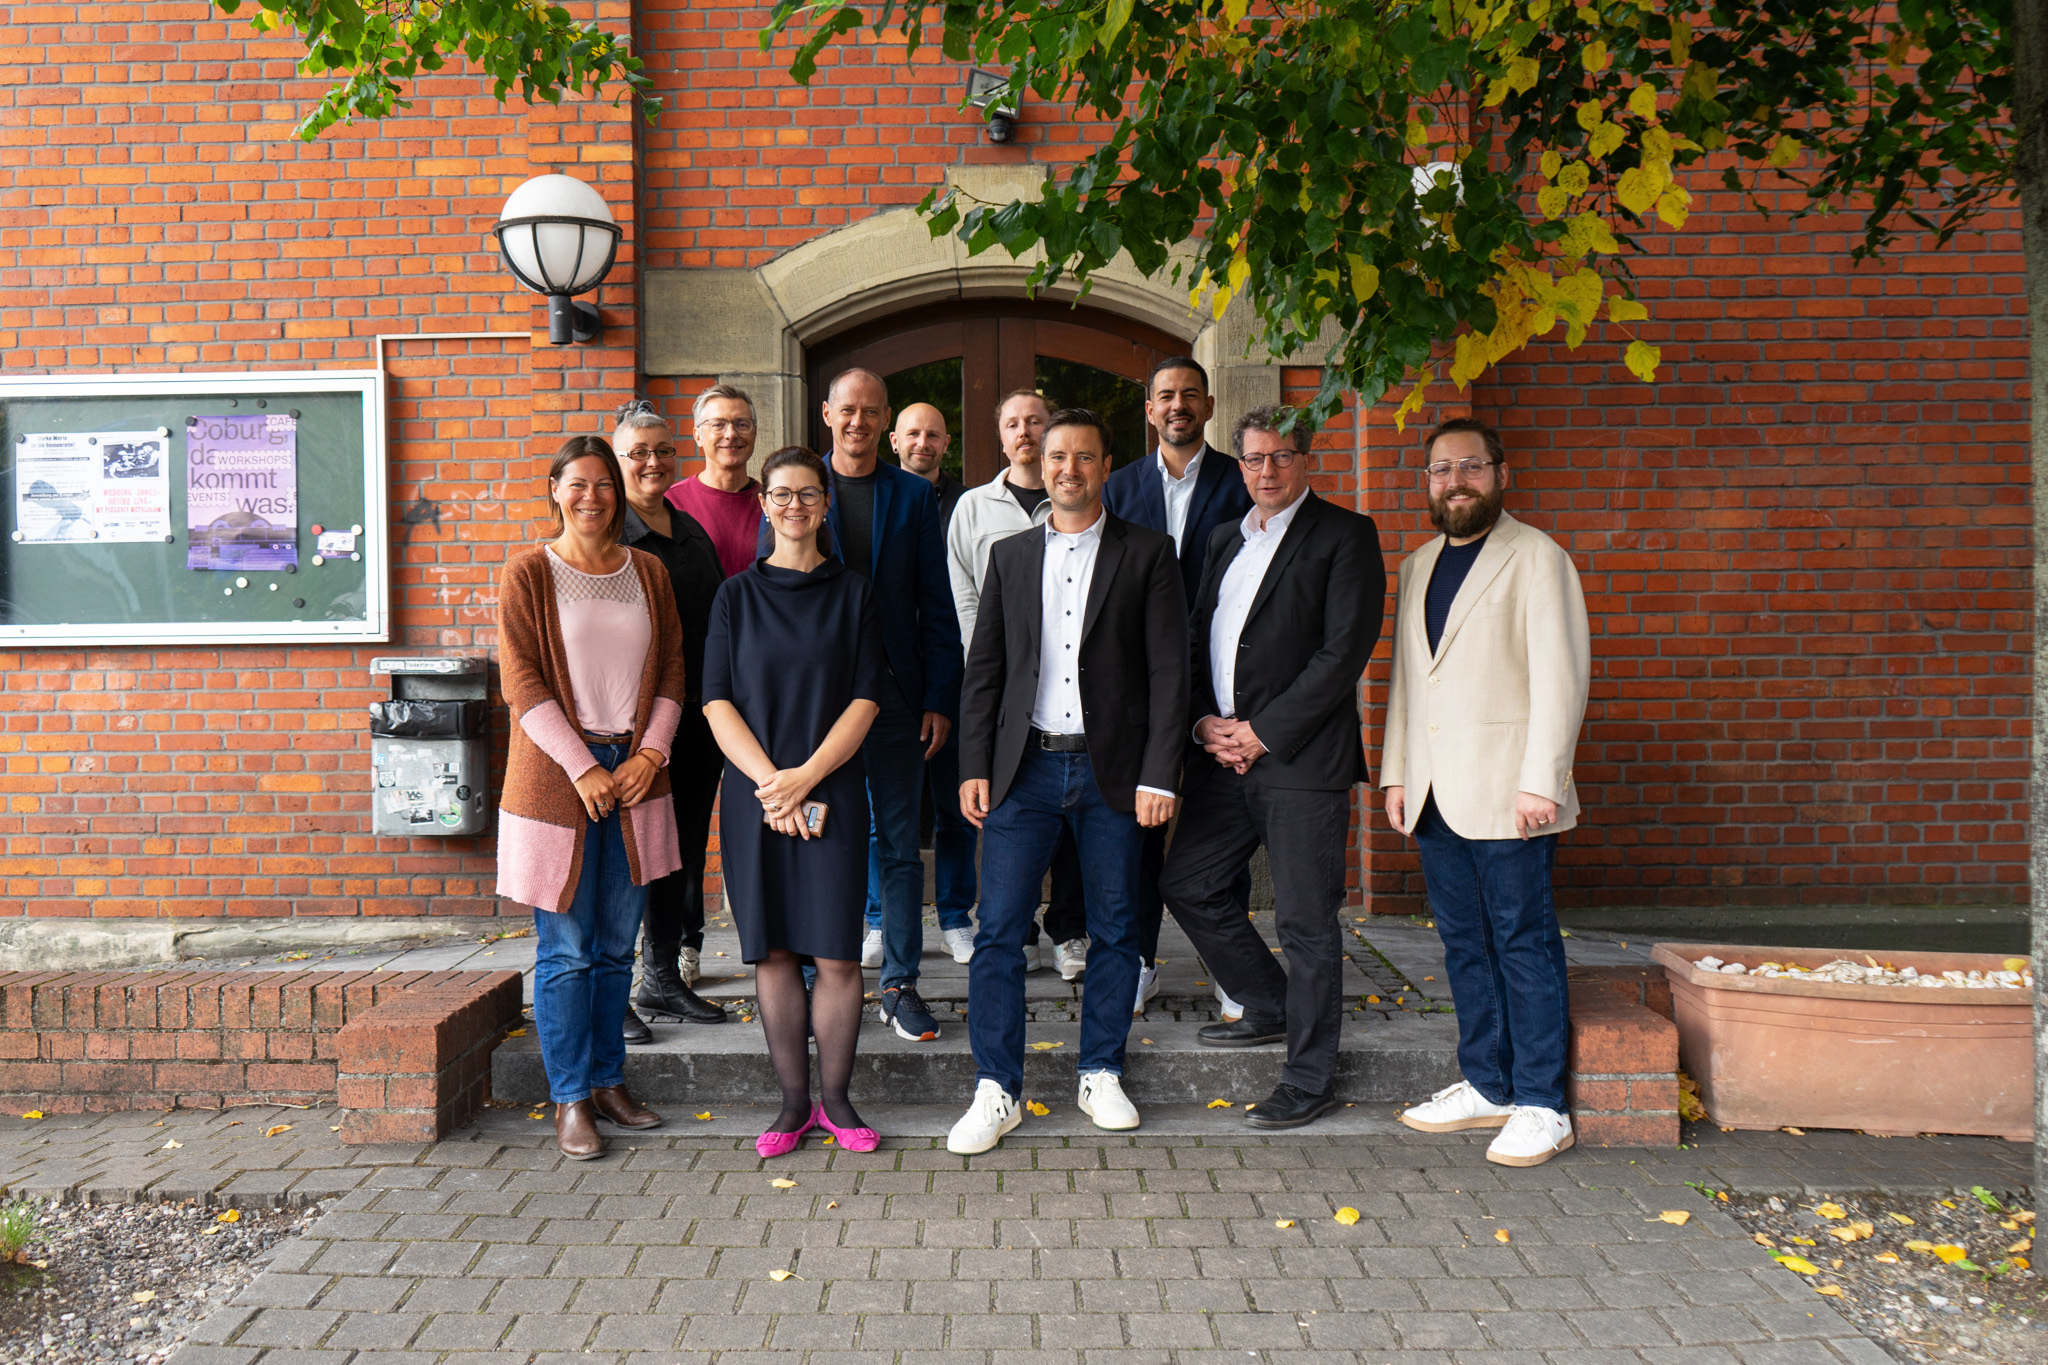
x=1505, y=958
x=1306, y=834
x=1052, y=792
x=1066, y=910
x=675, y=903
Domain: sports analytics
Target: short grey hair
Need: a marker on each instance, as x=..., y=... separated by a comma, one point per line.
x=732, y=392
x=637, y=414
x=1270, y=417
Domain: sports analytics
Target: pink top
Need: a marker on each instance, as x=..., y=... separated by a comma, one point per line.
x=733, y=520
x=605, y=635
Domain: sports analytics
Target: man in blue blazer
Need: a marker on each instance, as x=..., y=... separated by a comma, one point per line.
x=885, y=526
x=1186, y=488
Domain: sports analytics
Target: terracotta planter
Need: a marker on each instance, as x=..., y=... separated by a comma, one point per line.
x=1898, y=1060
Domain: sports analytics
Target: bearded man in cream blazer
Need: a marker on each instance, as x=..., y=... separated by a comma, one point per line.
x=1491, y=661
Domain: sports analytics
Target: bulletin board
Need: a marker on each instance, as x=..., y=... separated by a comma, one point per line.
x=193, y=508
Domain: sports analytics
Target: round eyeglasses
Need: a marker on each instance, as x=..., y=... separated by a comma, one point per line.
x=783, y=497
x=1469, y=468
x=1282, y=459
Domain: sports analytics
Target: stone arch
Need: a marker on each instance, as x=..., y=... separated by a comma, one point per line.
x=751, y=327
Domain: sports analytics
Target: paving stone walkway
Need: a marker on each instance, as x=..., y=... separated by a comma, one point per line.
x=1064, y=1247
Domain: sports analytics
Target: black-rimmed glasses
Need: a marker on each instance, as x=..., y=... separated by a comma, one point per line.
x=782, y=497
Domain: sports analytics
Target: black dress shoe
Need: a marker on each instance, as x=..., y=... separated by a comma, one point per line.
x=636, y=1031
x=1240, y=1033
x=1290, y=1107
x=662, y=992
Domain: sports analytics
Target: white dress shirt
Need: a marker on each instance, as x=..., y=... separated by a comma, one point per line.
x=1063, y=608
x=1234, y=598
x=1180, y=494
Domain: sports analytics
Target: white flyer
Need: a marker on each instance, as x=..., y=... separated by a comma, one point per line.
x=92, y=486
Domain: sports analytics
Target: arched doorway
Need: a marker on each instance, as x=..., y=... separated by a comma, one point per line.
x=960, y=357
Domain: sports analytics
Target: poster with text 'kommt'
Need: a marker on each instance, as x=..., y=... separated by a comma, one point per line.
x=242, y=491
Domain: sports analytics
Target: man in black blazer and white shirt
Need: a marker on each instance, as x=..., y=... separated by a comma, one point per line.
x=1074, y=714
x=1288, y=616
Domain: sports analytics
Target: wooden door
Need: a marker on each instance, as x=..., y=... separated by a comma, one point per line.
x=962, y=357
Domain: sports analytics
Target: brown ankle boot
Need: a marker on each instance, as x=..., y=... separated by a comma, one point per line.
x=614, y=1105
x=576, y=1131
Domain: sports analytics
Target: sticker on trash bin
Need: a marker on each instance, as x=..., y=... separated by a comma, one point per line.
x=334, y=543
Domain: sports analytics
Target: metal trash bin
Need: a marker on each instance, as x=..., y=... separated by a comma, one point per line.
x=430, y=751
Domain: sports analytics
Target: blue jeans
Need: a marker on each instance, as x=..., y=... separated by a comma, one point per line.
x=1505, y=959
x=952, y=845
x=895, y=762
x=1051, y=791
x=583, y=964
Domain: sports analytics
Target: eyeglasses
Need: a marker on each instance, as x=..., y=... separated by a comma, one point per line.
x=1282, y=459
x=651, y=453
x=1469, y=468
x=720, y=426
x=782, y=497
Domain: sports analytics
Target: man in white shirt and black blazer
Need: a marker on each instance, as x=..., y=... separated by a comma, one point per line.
x=1289, y=615
x=1074, y=716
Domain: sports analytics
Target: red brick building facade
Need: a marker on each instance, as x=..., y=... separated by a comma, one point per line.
x=1805, y=548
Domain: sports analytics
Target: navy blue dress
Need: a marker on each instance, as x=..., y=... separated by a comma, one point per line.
x=792, y=651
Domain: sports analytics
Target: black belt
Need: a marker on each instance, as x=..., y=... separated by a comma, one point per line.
x=1060, y=744
x=590, y=737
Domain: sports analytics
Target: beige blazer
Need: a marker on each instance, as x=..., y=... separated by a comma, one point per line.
x=1497, y=708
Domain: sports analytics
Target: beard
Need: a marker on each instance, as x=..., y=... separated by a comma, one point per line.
x=1465, y=518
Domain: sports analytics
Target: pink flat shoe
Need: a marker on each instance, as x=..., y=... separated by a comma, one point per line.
x=782, y=1144
x=849, y=1139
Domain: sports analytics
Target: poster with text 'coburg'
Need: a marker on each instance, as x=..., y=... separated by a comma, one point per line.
x=242, y=491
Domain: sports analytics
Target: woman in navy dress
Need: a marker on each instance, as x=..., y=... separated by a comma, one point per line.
x=792, y=675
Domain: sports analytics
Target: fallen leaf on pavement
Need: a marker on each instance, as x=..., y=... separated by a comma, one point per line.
x=228, y=1216
x=1831, y=1210
x=516, y=1033
x=1146, y=1041
x=779, y=1275
x=142, y=1296
x=2021, y=1247
x=1798, y=1263
x=1795, y=1132
x=1283, y=1222
x=1950, y=1253
x=1888, y=1257
x=1036, y=1108
x=1918, y=1245
x=1046, y=1047
x=277, y=1128
x=171, y=1146
x=33, y=1114
x=1833, y=1291
x=1900, y=1218
x=1759, y=1239
x=704, y=1117
x=1676, y=1217
x=1221, y=1104
x=783, y=1183
x=1500, y=1235
x=1347, y=1216
x=1852, y=1232
x=536, y=1114
x=1803, y=1241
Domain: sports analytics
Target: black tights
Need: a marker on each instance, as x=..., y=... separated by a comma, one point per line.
x=831, y=1009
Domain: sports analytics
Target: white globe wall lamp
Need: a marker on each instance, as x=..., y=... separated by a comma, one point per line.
x=558, y=239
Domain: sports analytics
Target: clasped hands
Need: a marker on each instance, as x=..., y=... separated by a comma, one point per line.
x=1231, y=742
x=627, y=785
x=782, y=799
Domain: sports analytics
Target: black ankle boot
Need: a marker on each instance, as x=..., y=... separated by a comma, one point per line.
x=662, y=990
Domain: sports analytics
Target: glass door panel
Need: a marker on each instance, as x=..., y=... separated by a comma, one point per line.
x=1112, y=397
x=940, y=383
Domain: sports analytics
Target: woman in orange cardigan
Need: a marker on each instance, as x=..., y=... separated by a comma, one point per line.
x=591, y=657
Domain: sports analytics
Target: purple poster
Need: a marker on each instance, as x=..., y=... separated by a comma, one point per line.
x=242, y=491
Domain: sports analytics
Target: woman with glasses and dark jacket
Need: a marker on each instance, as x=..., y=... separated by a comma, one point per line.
x=591, y=656
x=793, y=671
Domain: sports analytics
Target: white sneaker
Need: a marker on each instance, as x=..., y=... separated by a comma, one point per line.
x=1229, y=1009
x=1148, y=986
x=1071, y=958
x=1102, y=1099
x=691, y=966
x=992, y=1114
x=871, y=948
x=1532, y=1137
x=960, y=943
x=1456, y=1108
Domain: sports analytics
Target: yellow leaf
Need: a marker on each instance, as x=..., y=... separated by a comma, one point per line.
x=1620, y=309
x=1417, y=133
x=1365, y=277
x=142, y=1296
x=1590, y=116
x=1917, y=1245
x=1035, y=1107
x=1146, y=1041
x=1372, y=1000
x=1500, y=1235
x=1803, y=1241
x=1889, y=1258
x=1283, y=1222
x=1595, y=56
x=172, y=1145
x=1759, y=1239
x=1346, y=1215
x=2025, y=1244
x=517, y=1033
x=2019, y=1263
x=1681, y=42
x=1549, y=165
x=1551, y=201
x=1831, y=1210
x=277, y=1128
x=1833, y=1291
x=1635, y=191
x=2017, y=964
x=1221, y=1104
x=1949, y=1253
x=1412, y=404
x=783, y=1183
x=1605, y=139
x=33, y=1114
x=1852, y=1232
x=229, y=1216
x=780, y=1275
x=1798, y=1263
x=1522, y=74
x=1674, y=206
x=1642, y=102
x=1641, y=359
x=536, y=1114
x=1784, y=151
x=1900, y=1218
x=1676, y=1217
x=1575, y=178
x=1047, y=1047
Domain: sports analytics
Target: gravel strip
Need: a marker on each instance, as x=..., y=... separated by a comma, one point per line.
x=1988, y=1310
x=75, y=1301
